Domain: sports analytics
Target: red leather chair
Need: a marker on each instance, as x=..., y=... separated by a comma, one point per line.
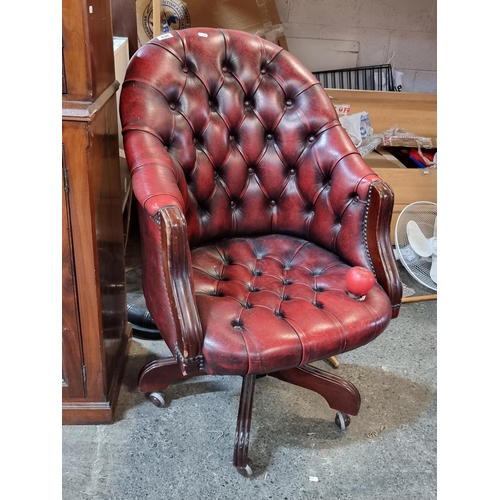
x=253, y=206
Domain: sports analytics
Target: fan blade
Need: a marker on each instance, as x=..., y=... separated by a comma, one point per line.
x=433, y=272
x=417, y=240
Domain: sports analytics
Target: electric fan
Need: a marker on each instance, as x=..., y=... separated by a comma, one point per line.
x=416, y=241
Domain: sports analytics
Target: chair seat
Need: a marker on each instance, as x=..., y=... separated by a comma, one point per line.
x=269, y=303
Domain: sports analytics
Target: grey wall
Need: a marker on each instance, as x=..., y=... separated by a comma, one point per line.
x=404, y=30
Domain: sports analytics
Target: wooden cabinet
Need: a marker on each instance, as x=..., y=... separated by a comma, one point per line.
x=95, y=331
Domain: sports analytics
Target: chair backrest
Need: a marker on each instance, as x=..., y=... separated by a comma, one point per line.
x=243, y=138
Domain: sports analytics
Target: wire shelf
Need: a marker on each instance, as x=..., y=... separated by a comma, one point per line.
x=363, y=78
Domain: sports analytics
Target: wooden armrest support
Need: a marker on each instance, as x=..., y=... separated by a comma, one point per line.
x=378, y=224
x=178, y=278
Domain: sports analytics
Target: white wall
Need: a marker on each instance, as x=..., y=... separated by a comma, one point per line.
x=404, y=30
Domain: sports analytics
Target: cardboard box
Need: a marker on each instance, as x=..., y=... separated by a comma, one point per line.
x=253, y=16
x=409, y=184
x=414, y=112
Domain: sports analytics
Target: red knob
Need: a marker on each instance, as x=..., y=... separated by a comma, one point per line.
x=359, y=281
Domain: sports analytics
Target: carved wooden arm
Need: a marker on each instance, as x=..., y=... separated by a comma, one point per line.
x=178, y=278
x=378, y=241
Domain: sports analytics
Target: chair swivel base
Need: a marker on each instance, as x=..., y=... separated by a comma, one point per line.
x=341, y=395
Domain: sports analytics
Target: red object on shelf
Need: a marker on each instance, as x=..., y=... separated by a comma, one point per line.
x=422, y=158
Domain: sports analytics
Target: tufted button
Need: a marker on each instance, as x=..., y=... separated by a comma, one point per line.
x=292, y=171
x=195, y=140
x=263, y=71
x=210, y=104
x=247, y=104
x=272, y=203
x=224, y=69
x=311, y=138
x=269, y=136
x=233, y=204
x=250, y=170
x=231, y=138
x=185, y=69
x=288, y=102
x=172, y=105
x=287, y=282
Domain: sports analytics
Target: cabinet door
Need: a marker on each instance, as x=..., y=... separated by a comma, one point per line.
x=73, y=371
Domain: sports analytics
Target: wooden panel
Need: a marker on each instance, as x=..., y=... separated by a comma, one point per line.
x=107, y=201
x=72, y=360
x=125, y=22
x=98, y=248
x=95, y=198
x=409, y=185
x=88, y=48
x=413, y=111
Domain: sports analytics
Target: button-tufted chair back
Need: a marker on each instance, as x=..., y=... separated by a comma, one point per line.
x=265, y=236
x=251, y=140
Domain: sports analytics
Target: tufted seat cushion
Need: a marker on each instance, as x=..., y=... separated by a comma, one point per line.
x=274, y=302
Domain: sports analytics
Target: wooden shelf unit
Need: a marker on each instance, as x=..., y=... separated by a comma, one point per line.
x=95, y=331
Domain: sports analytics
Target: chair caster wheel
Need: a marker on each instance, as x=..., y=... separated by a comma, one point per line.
x=157, y=399
x=247, y=470
x=342, y=420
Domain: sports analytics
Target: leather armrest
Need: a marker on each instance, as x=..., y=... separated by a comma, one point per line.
x=180, y=289
x=378, y=242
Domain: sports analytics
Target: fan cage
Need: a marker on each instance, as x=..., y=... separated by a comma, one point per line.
x=424, y=214
x=379, y=77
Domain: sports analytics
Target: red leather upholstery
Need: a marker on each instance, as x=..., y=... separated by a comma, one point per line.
x=276, y=302
x=242, y=139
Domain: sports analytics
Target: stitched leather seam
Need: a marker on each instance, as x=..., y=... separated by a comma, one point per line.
x=365, y=223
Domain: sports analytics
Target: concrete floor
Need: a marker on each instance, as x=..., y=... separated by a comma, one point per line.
x=184, y=450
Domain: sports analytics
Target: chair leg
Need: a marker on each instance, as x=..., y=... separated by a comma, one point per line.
x=160, y=374
x=339, y=393
x=240, y=457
